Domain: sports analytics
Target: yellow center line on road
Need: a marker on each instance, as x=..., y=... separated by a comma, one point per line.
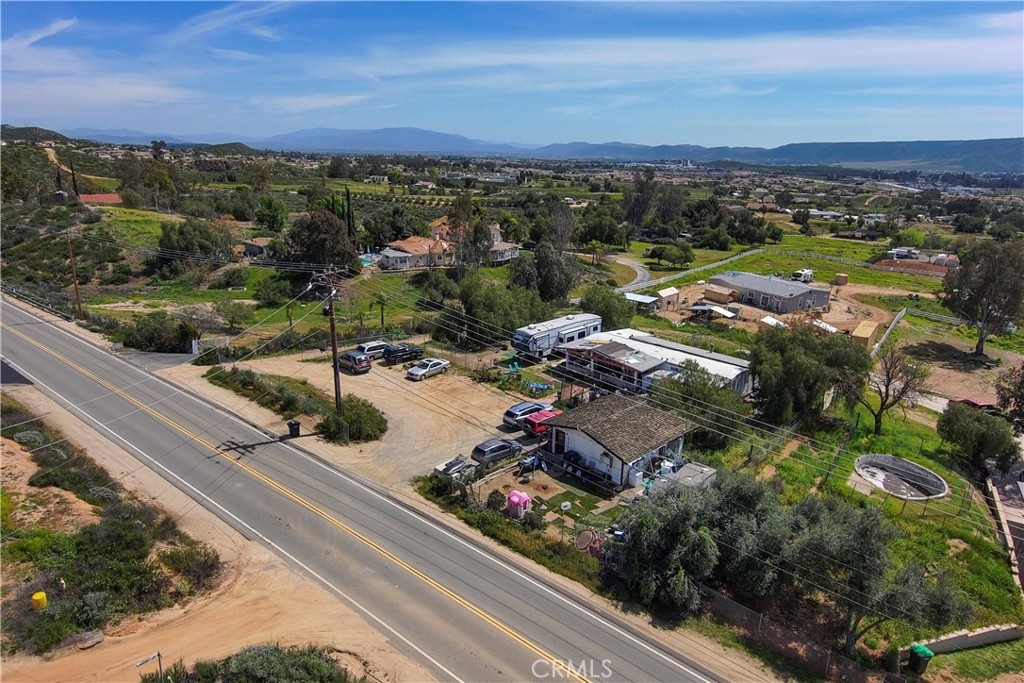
x=570, y=672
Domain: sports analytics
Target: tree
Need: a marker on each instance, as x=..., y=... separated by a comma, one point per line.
x=200, y=317
x=664, y=552
x=234, y=313
x=794, y=368
x=802, y=217
x=272, y=214
x=615, y=310
x=639, y=197
x=473, y=247
x=595, y=249
x=556, y=272
x=978, y=436
x=259, y=177
x=987, y=288
x=321, y=237
x=896, y=380
x=868, y=590
x=272, y=291
x=1010, y=390
x=523, y=273
x=705, y=400
x=562, y=226
x=193, y=236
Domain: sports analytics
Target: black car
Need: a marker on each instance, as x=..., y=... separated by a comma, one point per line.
x=400, y=353
x=493, y=450
x=354, y=362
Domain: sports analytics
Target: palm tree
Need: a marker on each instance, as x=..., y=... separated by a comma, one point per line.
x=596, y=249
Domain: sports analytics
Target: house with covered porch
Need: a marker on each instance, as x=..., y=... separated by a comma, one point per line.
x=616, y=440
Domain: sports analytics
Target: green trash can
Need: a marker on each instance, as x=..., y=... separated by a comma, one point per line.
x=919, y=658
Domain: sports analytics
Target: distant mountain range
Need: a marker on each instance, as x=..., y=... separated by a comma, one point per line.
x=997, y=156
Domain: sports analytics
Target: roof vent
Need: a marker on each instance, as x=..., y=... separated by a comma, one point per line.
x=568, y=317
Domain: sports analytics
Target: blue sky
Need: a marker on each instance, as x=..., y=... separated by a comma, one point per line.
x=724, y=73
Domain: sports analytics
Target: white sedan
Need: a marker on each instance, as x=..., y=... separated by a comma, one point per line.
x=427, y=367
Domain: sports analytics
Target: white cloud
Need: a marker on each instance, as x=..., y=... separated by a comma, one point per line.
x=224, y=18
x=90, y=92
x=302, y=103
x=234, y=55
x=263, y=32
x=724, y=89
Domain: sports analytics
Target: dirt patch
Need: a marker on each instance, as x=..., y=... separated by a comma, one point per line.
x=955, y=371
x=47, y=507
x=955, y=546
x=922, y=266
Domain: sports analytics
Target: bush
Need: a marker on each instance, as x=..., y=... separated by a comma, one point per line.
x=495, y=500
x=235, y=277
x=534, y=521
x=197, y=562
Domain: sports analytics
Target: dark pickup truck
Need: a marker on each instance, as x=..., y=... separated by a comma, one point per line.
x=400, y=353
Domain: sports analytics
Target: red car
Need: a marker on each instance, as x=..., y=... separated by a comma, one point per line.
x=534, y=425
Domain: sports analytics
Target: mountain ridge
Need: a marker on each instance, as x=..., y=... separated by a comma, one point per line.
x=997, y=155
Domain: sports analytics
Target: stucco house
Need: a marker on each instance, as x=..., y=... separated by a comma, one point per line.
x=416, y=252
x=615, y=440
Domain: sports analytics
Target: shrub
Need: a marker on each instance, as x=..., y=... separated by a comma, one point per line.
x=30, y=439
x=534, y=521
x=495, y=500
x=235, y=277
x=197, y=562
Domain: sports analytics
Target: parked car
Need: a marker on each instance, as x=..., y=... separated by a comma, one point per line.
x=494, y=450
x=428, y=367
x=355, y=362
x=534, y=424
x=400, y=353
x=515, y=415
x=374, y=349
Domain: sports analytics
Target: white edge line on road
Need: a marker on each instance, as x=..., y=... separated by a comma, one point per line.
x=500, y=563
x=87, y=418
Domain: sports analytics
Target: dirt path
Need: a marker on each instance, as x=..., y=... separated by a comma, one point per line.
x=51, y=154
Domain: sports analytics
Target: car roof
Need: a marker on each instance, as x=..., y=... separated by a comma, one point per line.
x=354, y=354
x=490, y=443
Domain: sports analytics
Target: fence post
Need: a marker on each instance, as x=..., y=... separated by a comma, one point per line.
x=828, y=662
x=760, y=618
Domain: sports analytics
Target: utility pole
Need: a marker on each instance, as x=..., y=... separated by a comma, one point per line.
x=334, y=356
x=325, y=279
x=74, y=277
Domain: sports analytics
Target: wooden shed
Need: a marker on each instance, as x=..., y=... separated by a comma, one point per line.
x=866, y=333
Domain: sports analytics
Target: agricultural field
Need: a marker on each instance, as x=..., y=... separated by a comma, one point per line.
x=851, y=249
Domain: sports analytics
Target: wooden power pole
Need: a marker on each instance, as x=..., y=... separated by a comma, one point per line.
x=74, y=277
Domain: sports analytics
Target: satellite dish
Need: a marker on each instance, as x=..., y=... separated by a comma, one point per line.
x=566, y=506
x=584, y=539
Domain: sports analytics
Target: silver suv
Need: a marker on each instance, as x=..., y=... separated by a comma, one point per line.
x=374, y=349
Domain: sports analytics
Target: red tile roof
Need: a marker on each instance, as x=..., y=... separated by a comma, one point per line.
x=108, y=198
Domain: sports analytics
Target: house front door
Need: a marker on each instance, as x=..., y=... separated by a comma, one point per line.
x=559, y=442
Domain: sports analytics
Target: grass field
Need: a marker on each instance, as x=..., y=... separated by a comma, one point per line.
x=824, y=271
x=135, y=227
x=851, y=249
x=982, y=664
x=953, y=535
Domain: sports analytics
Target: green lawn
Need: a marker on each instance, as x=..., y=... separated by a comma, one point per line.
x=984, y=663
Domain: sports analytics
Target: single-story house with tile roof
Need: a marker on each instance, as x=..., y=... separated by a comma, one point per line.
x=416, y=252
x=771, y=293
x=616, y=440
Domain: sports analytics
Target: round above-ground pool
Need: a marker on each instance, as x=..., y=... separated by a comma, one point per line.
x=900, y=477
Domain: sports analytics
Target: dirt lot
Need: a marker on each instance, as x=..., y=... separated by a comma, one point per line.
x=429, y=422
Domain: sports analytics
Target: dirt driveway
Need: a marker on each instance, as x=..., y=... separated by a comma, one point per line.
x=429, y=422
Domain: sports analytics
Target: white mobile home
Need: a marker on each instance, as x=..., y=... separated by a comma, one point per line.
x=540, y=339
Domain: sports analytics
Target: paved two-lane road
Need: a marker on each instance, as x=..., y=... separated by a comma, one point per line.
x=439, y=598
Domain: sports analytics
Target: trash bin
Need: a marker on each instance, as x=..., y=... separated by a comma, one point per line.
x=293, y=427
x=919, y=658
